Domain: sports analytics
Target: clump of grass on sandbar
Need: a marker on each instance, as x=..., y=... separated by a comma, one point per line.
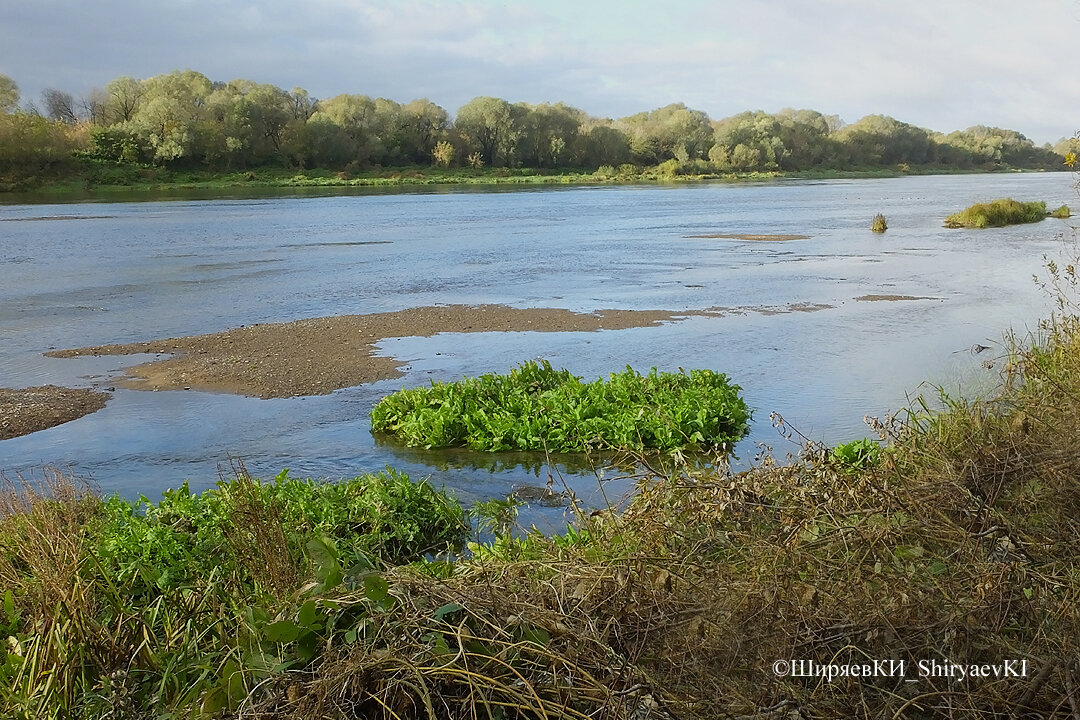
x=536, y=407
x=998, y=213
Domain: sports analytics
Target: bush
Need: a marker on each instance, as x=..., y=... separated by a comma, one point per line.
x=879, y=225
x=998, y=213
x=1061, y=213
x=535, y=407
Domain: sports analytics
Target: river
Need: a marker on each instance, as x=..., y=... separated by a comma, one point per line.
x=80, y=274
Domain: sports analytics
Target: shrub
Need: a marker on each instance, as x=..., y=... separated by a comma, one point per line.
x=879, y=225
x=1061, y=213
x=535, y=407
x=998, y=213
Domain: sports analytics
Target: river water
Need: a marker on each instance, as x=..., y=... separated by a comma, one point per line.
x=102, y=272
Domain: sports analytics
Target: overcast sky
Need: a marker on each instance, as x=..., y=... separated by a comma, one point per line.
x=940, y=64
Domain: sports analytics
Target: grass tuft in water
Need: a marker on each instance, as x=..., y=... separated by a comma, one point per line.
x=998, y=213
x=536, y=407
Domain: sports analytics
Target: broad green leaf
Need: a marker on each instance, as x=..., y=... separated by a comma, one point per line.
x=446, y=609
x=282, y=631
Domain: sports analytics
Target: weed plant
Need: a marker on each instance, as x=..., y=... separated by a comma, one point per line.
x=536, y=407
x=879, y=225
x=998, y=213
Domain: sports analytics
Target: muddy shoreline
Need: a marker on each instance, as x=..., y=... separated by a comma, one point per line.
x=319, y=355
x=27, y=410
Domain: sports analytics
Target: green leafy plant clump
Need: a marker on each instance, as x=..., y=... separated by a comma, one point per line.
x=879, y=225
x=536, y=407
x=1062, y=213
x=856, y=456
x=998, y=213
x=156, y=546
x=114, y=608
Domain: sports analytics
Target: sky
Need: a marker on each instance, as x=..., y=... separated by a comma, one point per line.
x=940, y=64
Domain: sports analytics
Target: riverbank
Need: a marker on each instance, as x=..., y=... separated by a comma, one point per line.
x=97, y=179
x=934, y=579
x=27, y=410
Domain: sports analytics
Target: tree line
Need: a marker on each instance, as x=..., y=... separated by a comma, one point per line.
x=184, y=120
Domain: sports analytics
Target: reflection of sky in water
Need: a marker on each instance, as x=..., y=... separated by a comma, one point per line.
x=142, y=271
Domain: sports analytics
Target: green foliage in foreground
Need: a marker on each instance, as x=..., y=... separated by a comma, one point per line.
x=856, y=456
x=149, y=547
x=536, y=407
x=115, y=608
x=998, y=213
x=1061, y=213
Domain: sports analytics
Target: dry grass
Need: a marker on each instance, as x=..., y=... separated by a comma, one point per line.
x=959, y=546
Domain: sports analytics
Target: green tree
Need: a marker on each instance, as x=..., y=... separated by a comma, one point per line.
x=9, y=94
x=545, y=131
x=424, y=123
x=489, y=123
x=360, y=123
x=749, y=141
x=605, y=145
x=32, y=144
x=171, y=112
x=656, y=135
x=993, y=147
x=124, y=95
x=877, y=140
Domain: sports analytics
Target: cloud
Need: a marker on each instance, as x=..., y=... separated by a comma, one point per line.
x=940, y=65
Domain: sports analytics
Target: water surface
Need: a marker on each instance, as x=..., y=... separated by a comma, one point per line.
x=114, y=272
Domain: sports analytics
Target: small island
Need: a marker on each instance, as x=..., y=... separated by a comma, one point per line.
x=1002, y=212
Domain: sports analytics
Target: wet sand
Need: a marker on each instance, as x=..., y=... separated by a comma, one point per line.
x=28, y=410
x=319, y=355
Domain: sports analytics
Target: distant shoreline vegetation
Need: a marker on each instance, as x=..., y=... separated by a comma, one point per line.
x=161, y=129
